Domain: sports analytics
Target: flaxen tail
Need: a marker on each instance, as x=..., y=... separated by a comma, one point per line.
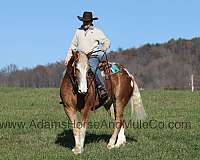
x=136, y=103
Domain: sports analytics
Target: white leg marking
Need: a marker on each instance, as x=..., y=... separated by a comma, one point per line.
x=112, y=140
x=77, y=148
x=111, y=143
x=112, y=111
x=82, y=136
x=121, y=140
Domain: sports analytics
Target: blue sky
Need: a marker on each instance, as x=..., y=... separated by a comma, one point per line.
x=40, y=31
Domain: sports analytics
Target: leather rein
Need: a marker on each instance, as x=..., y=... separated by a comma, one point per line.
x=73, y=79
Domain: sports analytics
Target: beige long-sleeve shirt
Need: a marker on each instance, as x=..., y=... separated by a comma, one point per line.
x=87, y=41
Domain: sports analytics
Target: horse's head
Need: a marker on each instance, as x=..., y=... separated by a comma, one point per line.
x=81, y=65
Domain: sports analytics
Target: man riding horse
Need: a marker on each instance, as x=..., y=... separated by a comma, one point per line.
x=78, y=92
x=88, y=38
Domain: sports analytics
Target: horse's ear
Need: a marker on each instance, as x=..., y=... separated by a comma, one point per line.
x=75, y=55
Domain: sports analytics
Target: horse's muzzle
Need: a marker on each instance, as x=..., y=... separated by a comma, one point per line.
x=79, y=91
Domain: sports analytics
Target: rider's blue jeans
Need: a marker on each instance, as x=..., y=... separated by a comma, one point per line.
x=94, y=61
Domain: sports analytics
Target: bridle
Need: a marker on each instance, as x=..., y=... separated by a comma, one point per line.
x=77, y=56
x=74, y=65
x=73, y=79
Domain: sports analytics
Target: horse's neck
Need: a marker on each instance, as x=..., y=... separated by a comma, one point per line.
x=69, y=68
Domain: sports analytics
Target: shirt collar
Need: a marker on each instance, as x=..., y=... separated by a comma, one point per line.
x=90, y=28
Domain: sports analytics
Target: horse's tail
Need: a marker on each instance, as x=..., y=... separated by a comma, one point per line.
x=136, y=103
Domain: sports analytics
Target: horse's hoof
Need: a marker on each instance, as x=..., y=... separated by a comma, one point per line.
x=120, y=145
x=110, y=146
x=77, y=150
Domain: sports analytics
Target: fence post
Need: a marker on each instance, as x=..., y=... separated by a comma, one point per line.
x=192, y=82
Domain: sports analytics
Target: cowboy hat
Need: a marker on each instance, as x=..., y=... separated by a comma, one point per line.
x=87, y=16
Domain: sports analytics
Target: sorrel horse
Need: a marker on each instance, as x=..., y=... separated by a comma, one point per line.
x=78, y=93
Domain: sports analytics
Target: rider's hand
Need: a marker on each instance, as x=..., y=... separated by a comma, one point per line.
x=103, y=49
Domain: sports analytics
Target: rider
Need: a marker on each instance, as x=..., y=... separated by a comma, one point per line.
x=88, y=38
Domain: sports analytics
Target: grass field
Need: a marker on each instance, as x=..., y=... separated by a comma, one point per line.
x=174, y=132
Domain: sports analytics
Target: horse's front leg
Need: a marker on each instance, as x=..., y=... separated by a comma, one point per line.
x=84, y=123
x=71, y=113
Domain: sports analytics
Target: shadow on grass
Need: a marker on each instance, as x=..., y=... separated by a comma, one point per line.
x=66, y=138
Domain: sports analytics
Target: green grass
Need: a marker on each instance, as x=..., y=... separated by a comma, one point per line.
x=26, y=105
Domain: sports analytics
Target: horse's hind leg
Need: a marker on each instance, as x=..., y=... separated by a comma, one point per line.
x=121, y=139
x=119, y=108
x=111, y=111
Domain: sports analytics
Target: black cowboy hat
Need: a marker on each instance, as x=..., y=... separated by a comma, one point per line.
x=87, y=16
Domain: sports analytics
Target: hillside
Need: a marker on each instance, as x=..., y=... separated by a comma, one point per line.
x=167, y=65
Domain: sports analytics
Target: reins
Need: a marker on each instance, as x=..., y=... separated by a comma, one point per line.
x=74, y=84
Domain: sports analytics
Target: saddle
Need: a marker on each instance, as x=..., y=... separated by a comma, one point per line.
x=107, y=69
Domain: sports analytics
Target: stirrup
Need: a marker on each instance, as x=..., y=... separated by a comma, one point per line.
x=103, y=93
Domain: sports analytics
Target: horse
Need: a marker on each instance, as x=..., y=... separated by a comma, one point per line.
x=78, y=94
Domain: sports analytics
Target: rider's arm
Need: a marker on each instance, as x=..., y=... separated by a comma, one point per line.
x=103, y=40
x=73, y=46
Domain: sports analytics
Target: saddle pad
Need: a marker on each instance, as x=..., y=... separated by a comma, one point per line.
x=114, y=68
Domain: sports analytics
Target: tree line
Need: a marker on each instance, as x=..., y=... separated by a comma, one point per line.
x=168, y=65
x=40, y=76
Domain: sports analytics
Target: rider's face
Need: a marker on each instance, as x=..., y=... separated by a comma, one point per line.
x=87, y=24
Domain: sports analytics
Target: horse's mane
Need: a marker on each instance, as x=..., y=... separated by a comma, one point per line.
x=70, y=63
